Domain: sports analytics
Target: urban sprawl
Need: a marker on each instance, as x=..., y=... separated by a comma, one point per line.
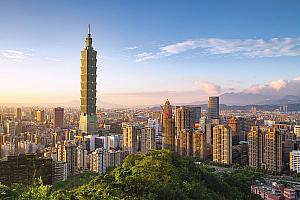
x=56, y=143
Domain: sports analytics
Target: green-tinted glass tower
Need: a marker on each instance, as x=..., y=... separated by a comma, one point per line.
x=88, y=118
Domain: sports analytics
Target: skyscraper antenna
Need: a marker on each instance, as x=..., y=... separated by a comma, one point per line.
x=89, y=29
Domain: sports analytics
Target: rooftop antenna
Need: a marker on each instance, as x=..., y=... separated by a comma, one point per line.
x=89, y=30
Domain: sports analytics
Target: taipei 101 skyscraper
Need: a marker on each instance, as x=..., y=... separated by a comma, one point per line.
x=88, y=118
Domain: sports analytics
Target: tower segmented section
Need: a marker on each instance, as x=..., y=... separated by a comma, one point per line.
x=88, y=117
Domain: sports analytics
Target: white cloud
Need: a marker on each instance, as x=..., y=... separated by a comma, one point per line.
x=144, y=56
x=208, y=88
x=297, y=79
x=132, y=48
x=279, y=84
x=279, y=88
x=14, y=55
x=274, y=47
x=179, y=47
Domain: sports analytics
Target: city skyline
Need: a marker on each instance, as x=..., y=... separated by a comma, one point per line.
x=186, y=54
x=150, y=100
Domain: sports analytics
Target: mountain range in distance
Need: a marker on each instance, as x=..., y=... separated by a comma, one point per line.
x=229, y=99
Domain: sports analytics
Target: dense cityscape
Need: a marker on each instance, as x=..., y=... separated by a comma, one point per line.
x=65, y=142
x=240, y=142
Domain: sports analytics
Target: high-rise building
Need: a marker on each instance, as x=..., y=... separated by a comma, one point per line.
x=213, y=108
x=58, y=117
x=154, y=123
x=113, y=141
x=184, y=145
x=185, y=117
x=209, y=131
x=1, y=125
x=297, y=130
x=265, y=148
x=11, y=130
x=88, y=118
x=191, y=143
x=101, y=159
x=60, y=169
x=295, y=161
x=199, y=145
x=168, y=139
x=67, y=152
x=11, y=127
x=130, y=138
x=114, y=158
x=222, y=144
x=196, y=113
x=208, y=128
x=255, y=141
x=248, y=123
x=147, y=139
x=40, y=116
x=98, y=161
x=18, y=115
x=240, y=153
x=237, y=127
x=82, y=158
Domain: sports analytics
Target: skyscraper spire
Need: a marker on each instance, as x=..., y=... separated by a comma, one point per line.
x=88, y=40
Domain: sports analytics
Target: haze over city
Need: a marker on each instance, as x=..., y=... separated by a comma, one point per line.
x=149, y=51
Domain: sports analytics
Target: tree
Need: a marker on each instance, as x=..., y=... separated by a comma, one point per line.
x=7, y=193
x=148, y=176
x=36, y=191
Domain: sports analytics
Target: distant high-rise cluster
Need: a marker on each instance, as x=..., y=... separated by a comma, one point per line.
x=77, y=143
x=225, y=139
x=179, y=131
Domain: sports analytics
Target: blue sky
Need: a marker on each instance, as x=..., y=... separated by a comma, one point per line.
x=148, y=50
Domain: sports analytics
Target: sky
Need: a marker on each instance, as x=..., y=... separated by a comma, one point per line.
x=148, y=51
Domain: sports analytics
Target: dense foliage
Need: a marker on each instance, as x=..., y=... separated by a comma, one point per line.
x=153, y=175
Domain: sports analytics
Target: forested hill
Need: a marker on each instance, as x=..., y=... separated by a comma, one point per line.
x=153, y=175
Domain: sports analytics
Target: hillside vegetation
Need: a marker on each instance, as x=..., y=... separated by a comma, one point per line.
x=153, y=175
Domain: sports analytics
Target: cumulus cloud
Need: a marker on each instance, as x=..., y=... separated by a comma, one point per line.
x=274, y=47
x=277, y=85
x=297, y=79
x=208, y=88
x=279, y=88
x=14, y=55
